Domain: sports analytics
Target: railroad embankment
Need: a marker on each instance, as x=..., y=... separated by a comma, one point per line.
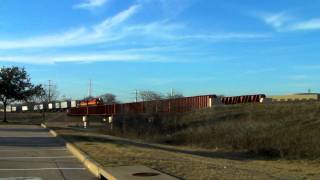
x=285, y=130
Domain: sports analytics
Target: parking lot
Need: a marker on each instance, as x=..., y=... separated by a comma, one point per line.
x=30, y=152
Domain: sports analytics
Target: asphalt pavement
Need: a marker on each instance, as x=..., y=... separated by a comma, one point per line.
x=29, y=152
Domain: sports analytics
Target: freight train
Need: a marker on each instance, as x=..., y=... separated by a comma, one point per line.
x=96, y=106
x=176, y=105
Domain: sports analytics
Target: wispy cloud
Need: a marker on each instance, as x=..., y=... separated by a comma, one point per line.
x=276, y=20
x=107, y=24
x=79, y=36
x=89, y=4
x=223, y=36
x=90, y=57
x=313, y=24
x=283, y=22
x=172, y=32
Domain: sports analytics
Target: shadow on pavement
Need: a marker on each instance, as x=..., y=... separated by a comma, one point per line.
x=23, y=130
x=30, y=142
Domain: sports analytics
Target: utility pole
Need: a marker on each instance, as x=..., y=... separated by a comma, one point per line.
x=136, y=95
x=171, y=92
x=49, y=91
x=90, y=88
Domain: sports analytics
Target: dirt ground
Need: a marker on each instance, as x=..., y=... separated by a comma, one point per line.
x=187, y=162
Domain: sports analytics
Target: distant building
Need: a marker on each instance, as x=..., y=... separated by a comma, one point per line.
x=296, y=97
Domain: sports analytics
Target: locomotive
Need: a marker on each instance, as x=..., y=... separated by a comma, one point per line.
x=91, y=102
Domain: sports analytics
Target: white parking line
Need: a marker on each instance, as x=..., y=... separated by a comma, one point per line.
x=44, y=157
x=42, y=169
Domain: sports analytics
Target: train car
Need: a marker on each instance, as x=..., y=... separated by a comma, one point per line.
x=14, y=109
x=36, y=107
x=9, y=108
x=133, y=107
x=57, y=106
x=25, y=108
x=91, y=102
x=51, y=106
x=74, y=104
x=65, y=104
x=43, y=106
x=186, y=104
x=257, y=98
x=18, y=108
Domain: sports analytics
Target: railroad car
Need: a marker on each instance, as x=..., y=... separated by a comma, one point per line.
x=14, y=109
x=51, y=106
x=74, y=104
x=26, y=108
x=65, y=104
x=18, y=108
x=8, y=108
x=36, y=107
x=91, y=102
x=57, y=106
x=257, y=98
x=43, y=106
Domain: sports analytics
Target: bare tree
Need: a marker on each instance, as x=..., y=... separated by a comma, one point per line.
x=48, y=94
x=150, y=95
x=65, y=98
x=174, y=96
x=109, y=98
x=51, y=93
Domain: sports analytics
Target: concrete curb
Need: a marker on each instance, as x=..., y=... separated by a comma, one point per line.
x=112, y=173
x=94, y=167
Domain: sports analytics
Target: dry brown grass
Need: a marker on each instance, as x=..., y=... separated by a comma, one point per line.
x=285, y=130
x=189, y=163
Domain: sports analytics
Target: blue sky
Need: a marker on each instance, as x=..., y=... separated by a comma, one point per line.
x=193, y=46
